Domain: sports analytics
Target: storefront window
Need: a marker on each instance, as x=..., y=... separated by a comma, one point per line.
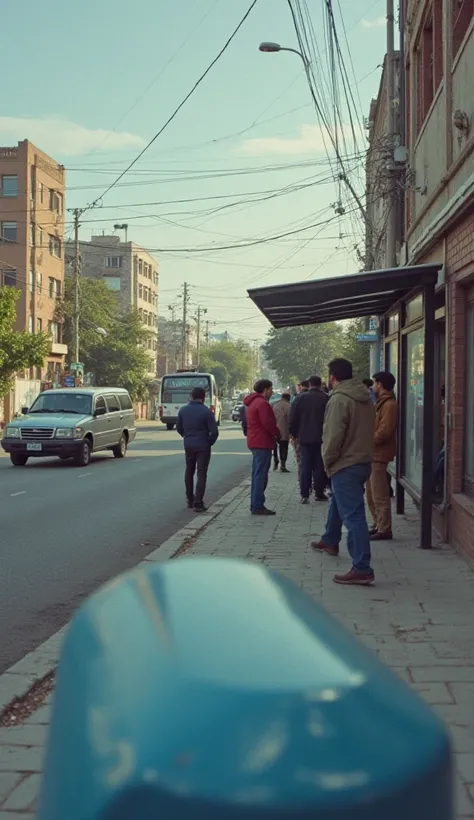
x=392, y=323
x=392, y=360
x=414, y=309
x=414, y=391
x=469, y=428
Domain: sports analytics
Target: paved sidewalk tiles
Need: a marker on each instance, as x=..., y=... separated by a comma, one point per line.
x=418, y=619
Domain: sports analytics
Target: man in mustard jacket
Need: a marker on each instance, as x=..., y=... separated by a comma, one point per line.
x=384, y=451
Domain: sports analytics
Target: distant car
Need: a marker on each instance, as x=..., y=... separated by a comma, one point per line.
x=237, y=411
x=72, y=423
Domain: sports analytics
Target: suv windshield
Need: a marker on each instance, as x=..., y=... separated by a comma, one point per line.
x=79, y=403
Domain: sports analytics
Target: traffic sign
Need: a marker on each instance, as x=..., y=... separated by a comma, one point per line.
x=367, y=337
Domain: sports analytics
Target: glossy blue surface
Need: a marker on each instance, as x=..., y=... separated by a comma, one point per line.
x=212, y=689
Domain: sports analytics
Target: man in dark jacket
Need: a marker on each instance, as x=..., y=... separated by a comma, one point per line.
x=197, y=426
x=306, y=425
x=262, y=435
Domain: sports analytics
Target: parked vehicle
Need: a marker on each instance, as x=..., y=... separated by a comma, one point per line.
x=175, y=391
x=72, y=423
x=236, y=411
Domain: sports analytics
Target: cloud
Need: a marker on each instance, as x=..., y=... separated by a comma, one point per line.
x=311, y=140
x=377, y=22
x=62, y=137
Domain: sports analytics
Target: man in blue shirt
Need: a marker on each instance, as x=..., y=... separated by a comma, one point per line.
x=197, y=426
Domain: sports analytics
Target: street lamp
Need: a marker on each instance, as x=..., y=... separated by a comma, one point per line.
x=273, y=48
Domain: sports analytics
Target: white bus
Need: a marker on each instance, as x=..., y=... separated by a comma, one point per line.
x=175, y=391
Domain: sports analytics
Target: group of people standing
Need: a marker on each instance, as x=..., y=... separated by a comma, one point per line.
x=346, y=437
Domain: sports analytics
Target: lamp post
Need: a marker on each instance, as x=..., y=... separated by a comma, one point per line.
x=273, y=48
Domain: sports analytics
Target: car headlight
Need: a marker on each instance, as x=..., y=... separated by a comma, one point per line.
x=64, y=432
x=12, y=432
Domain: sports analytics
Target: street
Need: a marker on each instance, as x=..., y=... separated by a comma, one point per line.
x=66, y=530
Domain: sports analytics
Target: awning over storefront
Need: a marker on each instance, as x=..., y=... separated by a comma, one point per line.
x=341, y=297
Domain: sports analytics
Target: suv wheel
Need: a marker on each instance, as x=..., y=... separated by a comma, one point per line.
x=18, y=459
x=120, y=450
x=82, y=458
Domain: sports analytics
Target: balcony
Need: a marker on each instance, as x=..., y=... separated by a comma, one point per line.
x=58, y=349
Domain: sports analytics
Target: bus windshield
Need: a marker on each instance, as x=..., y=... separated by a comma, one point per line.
x=177, y=389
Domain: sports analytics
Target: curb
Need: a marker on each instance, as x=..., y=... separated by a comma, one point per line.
x=19, y=679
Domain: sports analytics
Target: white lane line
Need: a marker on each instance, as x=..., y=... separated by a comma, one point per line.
x=22, y=492
x=83, y=475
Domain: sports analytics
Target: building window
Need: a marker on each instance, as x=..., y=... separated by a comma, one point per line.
x=9, y=185
x=32, y=281
x=55, y=201
x=414, y=309
x=149, y=295
x=54, y=288
x=32, y=234
x=39, y=282
x=414, y=398
x=8, y=277
x=140, y=267
x=9, y=231
x=39, y=325
x=113, y=261
x=55, y=246
x=41, y=192
x=40, y=237
x=462, y=13
x=469, y=405
x=30, y=324
x=113, y=282
x=429, y=60
x=55, y=332
x=140, y=291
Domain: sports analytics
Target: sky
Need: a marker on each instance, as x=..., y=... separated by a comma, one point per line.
x=243, y=163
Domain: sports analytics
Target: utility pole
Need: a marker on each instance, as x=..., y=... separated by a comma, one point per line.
x=200, y=311
x=184, y=333
x=77, y=216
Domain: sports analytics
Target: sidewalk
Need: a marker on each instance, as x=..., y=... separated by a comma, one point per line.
x=418, y=618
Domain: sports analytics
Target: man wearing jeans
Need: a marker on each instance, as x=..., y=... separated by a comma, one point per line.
x=262, y=436
x=347, y=454
x=197, y=426
x=306, y=426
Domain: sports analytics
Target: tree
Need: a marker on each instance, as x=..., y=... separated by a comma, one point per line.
x=295, y=353
x=19, y=350
x=119, y=358
x=357, y=352
x=231, y=363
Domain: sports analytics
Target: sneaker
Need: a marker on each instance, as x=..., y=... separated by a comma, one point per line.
x=354, y=578
x=305, y=500
x=320, y=546
x=284, y=470
x=263, y=511
x=190, y=504
x=321, y=498
x=275, y=466
x=381, y=536
x=200, y=508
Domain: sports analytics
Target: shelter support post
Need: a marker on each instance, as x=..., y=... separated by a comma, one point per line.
x=428, y=418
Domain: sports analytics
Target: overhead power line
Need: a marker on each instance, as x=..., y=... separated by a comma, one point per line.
x=180, y=106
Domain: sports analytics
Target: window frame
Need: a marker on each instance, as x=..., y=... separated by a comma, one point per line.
x=2, y=191
x=8, y=274
x=429, y=68
x=108, y=396
x=110, y=258
x=460, y=23
x=54, y=244
x=6, y=238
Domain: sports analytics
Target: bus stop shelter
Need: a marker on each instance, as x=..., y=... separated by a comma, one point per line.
x=404, y=300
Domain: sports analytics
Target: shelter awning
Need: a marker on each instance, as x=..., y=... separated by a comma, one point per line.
x=341, y=297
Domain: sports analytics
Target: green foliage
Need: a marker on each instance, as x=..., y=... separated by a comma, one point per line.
x=117, y=359
x=298, y=352
x=232, y=363
x=18, y=350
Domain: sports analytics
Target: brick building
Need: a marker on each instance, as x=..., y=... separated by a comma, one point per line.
x=131, y=273
x=435, y=176
x=32, y=254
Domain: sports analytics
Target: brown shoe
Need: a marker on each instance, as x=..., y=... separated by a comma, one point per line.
x=320, y=546
x=381, y=536
x=354, y=578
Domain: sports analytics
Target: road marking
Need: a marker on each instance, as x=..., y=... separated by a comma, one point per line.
x=83, y=475
x=22, y=492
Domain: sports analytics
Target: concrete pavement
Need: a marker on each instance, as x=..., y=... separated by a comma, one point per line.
x=66, y=530
x=417, y=618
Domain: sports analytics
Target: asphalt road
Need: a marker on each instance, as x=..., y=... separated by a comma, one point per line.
x=65, y=530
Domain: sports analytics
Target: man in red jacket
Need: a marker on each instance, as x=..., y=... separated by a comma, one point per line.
x=262, y=435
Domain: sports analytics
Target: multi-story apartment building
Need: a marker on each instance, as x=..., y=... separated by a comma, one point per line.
x=131, y=273
x=436, y=175
x=32, y=248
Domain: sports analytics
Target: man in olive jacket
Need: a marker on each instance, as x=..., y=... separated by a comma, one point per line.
x=384, y=451
x=348, y=434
